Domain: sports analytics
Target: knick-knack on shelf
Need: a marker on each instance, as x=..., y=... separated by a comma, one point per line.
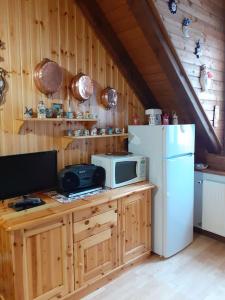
x=41, y=110
x=185, y=27
x=198, y=50
x=205, y=78
x=174, y=118
x=172, y=4
x=28, y=112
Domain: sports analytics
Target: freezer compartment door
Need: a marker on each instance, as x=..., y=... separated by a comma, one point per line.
x=178, y=140
x=178, y=205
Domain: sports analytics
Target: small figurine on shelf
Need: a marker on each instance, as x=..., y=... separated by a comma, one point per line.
x=77, y=132
x=101, y=131
x=49, y=113
x=57, y=109
x=109, y=130
x=41, y=110
x=166, y=119
x=174, y=118
x=136, y=120
x=86, y=115
x=69, y=115
x=79, y=115
x=28, y=112
x=86, y=132
x=94, y=131
x=118, y=131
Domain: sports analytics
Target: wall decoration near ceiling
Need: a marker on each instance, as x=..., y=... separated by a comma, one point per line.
x=3, y=85
x=48, y=77
x=172, y=4
x=198, y=49
x=109, y=98
x=205, y=78
x=81, y=87
x=185, y=27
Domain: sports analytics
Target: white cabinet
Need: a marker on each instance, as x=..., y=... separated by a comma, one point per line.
x=213, y=207
x=209, y=202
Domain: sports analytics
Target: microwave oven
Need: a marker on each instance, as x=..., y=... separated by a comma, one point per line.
x=121, y=170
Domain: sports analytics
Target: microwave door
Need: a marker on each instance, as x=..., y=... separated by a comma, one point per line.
x=125, y=172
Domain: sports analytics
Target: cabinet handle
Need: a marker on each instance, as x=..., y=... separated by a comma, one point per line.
x=199, y=182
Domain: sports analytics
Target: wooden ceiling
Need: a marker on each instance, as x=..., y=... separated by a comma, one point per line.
x=140, y=32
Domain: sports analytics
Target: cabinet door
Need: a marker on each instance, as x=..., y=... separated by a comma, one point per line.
x=46, y=260
x=135, y=220
x=95, y=256
x=213, y=210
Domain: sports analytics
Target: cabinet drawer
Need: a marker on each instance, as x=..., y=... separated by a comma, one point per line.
x=94, y=224
x=94, y=210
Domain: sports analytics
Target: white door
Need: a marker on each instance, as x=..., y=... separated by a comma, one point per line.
x=213, y=207
x=178, y=204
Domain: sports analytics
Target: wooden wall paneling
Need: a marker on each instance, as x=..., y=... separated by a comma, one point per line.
x=208, y=26
x=33, y=30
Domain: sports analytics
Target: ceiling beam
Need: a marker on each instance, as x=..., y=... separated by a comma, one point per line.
x=158, y=39
x=111, y=42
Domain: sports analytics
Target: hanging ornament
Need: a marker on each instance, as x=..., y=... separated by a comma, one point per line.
x=3, y=85
x=205, y=78
x=198, y=50
x=172, y=6
x=185, y=26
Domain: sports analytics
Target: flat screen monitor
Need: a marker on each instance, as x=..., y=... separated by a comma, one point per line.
x=23, y=174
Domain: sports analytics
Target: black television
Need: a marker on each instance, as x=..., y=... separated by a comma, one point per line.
x=28, y=173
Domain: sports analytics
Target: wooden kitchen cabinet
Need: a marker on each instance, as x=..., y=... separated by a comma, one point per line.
x=43, y=260
x=95, y=248
x=134, y=223
x=66, y=251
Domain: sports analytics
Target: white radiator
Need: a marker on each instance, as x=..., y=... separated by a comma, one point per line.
x=213, y=207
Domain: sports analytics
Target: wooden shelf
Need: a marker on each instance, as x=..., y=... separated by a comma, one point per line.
x=20, y=122
x=67, y=140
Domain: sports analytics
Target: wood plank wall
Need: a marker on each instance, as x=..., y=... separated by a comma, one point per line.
x=208, y=25
x=56, y=29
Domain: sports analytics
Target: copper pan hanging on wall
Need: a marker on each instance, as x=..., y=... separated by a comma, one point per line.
x=48, y=77
x=109, y=98
x=81, y=87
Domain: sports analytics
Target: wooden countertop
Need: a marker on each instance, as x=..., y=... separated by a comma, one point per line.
x=11, y=220
x=212, y=171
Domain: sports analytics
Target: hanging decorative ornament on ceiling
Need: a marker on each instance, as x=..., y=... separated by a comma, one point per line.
x=198, y=50
x=172, y=6
x=3, y=85
x=205, y=78
x=185, y=27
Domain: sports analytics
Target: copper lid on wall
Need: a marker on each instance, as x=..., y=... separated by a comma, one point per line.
x=109, y=98
x=81, y=87
x=48, y=77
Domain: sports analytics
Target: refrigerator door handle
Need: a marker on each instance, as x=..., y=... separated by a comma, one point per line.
x=180, y=155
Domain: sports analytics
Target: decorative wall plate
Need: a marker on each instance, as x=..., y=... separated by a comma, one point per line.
x=109, y=98
x=48, y=77
x=81, y=87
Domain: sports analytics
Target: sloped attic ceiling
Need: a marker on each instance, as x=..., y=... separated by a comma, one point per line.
x=140, y=31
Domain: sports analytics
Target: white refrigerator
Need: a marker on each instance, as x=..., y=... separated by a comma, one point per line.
x=170, y=152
